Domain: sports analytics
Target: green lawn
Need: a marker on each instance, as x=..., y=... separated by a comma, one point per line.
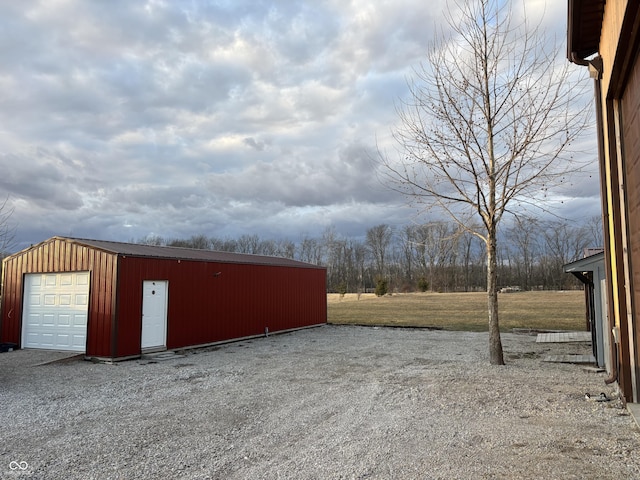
x=548, y=310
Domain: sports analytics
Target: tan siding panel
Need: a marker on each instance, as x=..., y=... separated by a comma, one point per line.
x=631, y=132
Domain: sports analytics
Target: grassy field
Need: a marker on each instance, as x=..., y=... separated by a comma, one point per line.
x=549, y=310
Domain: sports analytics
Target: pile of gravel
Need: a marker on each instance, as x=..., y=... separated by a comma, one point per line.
x=334, y=402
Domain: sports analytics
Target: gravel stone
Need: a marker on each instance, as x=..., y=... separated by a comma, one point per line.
x=334, y=402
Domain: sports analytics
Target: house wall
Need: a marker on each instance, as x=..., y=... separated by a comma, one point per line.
x=210, y=302
x=56, y=256
x=630, y=106
x=612, y=221
x=614, y=14
x=620, y=168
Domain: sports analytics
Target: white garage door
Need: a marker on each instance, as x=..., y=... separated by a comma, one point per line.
x=55, y=311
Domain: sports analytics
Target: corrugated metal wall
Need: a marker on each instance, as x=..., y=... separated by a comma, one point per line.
x=55, y=256
x=210, y=301
x=207, y=301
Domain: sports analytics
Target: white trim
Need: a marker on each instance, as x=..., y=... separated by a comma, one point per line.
x=149, y=342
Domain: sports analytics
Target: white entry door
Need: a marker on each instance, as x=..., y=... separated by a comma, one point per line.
x=55, y=311
x=154, y=314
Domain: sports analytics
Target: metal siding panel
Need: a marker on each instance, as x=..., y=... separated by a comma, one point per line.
x=205, y=308
x=97, y=325
x=631, y=132
x=11, y=310
x=63, y=257
x=129, y=313
x=104, y=339
x=70, y=253
x=44, y=255
x=98, y=336
x=94, y=328
x=57, y=255
x=12, y=285
x=105, y=269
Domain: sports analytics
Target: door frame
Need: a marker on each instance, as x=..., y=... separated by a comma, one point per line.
x=163, y=346
x=26, y=309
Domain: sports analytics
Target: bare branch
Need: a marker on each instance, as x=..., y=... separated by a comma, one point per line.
x=7, y=228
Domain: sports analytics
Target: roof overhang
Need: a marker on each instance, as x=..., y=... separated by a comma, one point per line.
x=581, y=267
x=584, y=24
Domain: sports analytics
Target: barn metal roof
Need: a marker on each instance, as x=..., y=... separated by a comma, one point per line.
x=586, y=264
x=584, y=26
x=156, y=251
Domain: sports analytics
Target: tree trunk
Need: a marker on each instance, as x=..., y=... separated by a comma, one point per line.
x=495, y=343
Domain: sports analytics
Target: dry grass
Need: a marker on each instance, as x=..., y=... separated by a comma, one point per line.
x=461, y=311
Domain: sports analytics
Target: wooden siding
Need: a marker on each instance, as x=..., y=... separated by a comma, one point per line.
x=631, y=136
x=56, y=256
x=610, y=39
x=211, y=301
x=620, y=170
x=618, y=49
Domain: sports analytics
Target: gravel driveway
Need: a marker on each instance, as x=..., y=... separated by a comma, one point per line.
x=334, y=402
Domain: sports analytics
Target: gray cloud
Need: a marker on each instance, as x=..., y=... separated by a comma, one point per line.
x=40, y=178
x=120, y=119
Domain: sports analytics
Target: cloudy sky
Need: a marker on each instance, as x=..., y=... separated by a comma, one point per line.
x=122, y=119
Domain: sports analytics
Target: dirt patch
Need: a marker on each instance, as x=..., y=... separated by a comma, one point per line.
x=330, y=402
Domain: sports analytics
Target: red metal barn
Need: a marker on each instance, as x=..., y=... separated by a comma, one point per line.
x=116, y=300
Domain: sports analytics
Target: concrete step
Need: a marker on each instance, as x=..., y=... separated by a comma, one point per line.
x=160, y=356
x=570, y=359
x=563, y=337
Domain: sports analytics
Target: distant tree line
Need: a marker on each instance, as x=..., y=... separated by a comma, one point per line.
x=435, y=256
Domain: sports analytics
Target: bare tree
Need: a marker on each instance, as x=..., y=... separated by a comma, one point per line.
x=524, y=240
x=434, y=244
x=7, y=229
x=196, y=241
x=310, y=250
x=150, y=240
x=469, y=244
x=248, y=244
x=223, y=245
x=334, y=245
x=594, y=227
x=405, y=258
x=563, y=243
x=378, y=240
x=489, y=115
x=285, y=248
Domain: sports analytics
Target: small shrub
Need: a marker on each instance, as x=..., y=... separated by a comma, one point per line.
x=382, y=286
x=423, y=285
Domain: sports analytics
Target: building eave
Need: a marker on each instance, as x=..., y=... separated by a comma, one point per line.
x=583, y=30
